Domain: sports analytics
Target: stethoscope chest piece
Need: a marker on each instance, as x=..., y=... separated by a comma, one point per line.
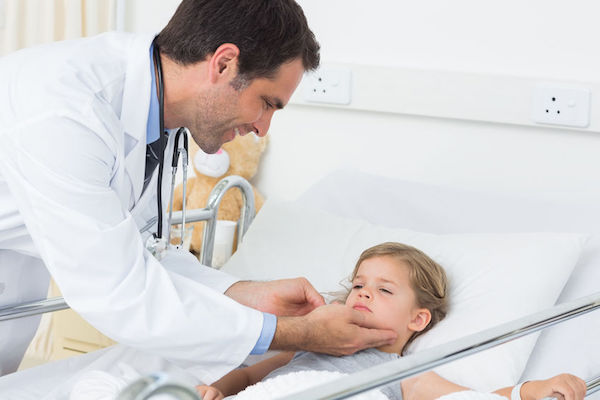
x=157, y=246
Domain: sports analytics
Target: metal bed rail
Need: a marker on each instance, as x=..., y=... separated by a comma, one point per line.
x=208, y=214
x=414, y=364
x=156, y=384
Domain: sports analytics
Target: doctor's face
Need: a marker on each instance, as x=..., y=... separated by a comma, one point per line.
x=223, y=111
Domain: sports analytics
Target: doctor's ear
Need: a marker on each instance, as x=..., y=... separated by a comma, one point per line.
x=224, y=62
x=420, y=319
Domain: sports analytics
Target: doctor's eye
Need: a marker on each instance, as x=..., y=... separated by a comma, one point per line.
x=267, y=104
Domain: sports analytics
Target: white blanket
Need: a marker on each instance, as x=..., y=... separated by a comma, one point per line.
x=100, y=385
x=293, y=382
x=472, y=395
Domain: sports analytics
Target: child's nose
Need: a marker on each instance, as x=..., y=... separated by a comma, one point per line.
x=364, y=293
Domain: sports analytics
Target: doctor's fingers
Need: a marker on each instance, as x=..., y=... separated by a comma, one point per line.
x=353, y=337
x=312, y=296
x=350, y=338
x=370, y=333
x=298, y=293
x=309, y=293
x=363, y=319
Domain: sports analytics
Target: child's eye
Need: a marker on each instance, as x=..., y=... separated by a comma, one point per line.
x=385, y=291
x=357, y=286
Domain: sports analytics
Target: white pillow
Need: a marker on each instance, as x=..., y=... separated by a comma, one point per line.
x=569, y=347
x=494, y=277
x=573, y=345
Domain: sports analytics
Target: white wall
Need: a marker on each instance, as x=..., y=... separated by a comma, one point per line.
x=553, y=38
x=548, y=40
x=148, y=16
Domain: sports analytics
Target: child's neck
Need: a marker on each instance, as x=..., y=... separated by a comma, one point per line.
x=395, y=348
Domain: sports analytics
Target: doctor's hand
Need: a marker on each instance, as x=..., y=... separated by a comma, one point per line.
x=281, y=297
x=561, y=387
x=332, y=329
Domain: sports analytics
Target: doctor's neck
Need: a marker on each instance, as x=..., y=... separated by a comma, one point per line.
x=181, y=84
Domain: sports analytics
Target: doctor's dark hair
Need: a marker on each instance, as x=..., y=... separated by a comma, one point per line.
x=427, y=279
x=268, y=33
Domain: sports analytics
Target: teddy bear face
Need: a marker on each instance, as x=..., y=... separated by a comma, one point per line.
x=238, y=157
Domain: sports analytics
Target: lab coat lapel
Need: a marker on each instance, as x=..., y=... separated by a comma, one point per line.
x=134, y=112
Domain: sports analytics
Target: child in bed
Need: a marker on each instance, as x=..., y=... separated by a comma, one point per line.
x=406, y=291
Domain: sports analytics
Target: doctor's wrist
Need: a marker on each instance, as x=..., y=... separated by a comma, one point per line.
x=290, y=334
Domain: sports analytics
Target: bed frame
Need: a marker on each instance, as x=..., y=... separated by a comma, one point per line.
x=353, y=384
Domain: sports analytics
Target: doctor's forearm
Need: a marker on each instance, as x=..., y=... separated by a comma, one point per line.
x=291, y=334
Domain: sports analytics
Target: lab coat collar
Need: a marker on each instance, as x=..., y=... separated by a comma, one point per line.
x=134, y=111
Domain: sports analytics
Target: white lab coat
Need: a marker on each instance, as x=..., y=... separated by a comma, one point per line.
x=72, y=156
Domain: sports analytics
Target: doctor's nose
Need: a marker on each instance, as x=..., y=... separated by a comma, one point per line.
x=261, y=127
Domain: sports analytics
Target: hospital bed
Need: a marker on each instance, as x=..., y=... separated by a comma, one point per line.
x=346, y=211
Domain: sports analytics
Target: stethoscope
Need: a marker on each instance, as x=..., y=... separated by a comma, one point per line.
x=156, y=244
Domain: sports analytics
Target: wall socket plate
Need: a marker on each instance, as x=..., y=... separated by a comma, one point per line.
x=328, y=85
x=561, y=105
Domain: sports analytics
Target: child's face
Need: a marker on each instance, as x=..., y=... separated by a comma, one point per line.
x=382, y=287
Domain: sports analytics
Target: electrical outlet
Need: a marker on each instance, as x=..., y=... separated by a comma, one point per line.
x=328, y=85
x=561, y=105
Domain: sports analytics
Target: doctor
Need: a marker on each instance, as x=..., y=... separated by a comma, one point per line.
x=79, y=122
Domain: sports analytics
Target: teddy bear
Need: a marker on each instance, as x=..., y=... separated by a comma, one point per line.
x=240, y=156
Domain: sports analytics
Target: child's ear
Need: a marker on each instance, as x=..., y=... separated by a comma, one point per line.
x=420, y=320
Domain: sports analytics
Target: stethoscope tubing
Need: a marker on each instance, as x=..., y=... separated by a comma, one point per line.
x=177, y=151
x=183, y=152
x=161, y=124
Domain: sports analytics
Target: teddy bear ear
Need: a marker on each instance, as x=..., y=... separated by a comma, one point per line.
x=245, y=153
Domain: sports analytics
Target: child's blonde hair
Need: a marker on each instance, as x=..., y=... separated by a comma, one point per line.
x=426, y=278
